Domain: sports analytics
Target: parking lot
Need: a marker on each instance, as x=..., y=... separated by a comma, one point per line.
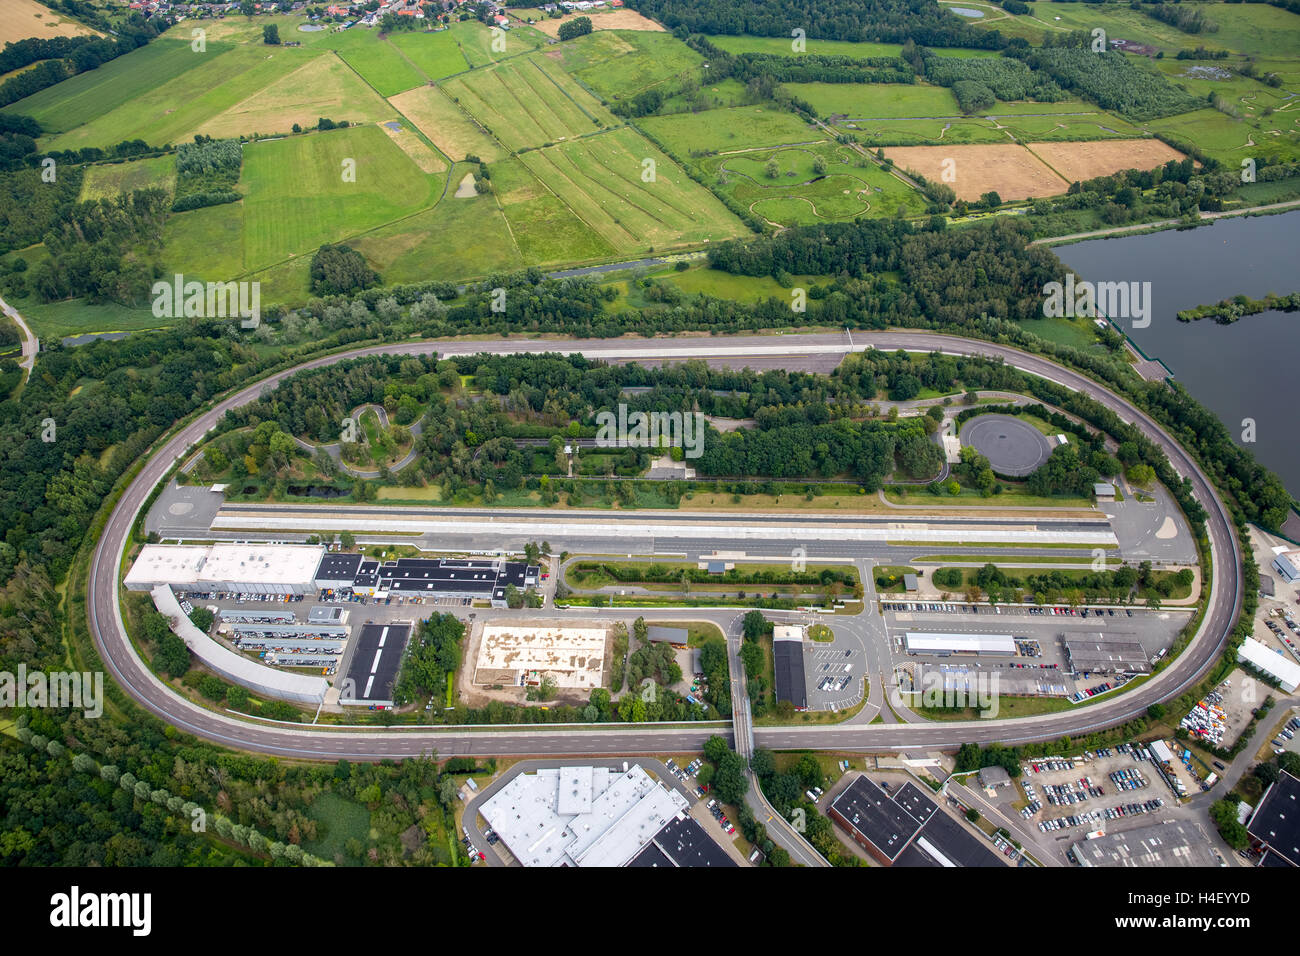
x=1038, y=633
x=1066, y=793
x=834, y=676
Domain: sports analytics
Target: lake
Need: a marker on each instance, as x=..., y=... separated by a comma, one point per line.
x=1245, y=370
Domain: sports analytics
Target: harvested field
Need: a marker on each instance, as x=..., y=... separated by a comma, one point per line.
x=613, y=20
x=414, y=147
x=27, y=18
x=1011, y=171
x=1081, y=161
x=438, y=118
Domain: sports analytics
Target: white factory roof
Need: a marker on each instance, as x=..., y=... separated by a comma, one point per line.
x=961, y=643
x=618, y=814
x=183, y=565
x=264, y=680
x=1283, y=668
x=787, y=632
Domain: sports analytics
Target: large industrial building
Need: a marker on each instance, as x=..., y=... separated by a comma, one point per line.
x=787, y=664
x=1283, y=669
x=1177, y=843
x=476, y=579
x=1274, y=827
x=1098, y=654
x=376, y=661
x=906, y=828
x=595, y=816
x=944, y=645
x=233, y=568
x=1287, y=564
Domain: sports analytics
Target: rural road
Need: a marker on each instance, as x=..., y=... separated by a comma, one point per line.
x=292, y=740
x=30, y=344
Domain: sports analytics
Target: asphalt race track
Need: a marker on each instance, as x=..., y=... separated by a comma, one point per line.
x=305, y=741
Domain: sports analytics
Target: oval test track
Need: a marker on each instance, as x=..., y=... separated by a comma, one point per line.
x=307, y=741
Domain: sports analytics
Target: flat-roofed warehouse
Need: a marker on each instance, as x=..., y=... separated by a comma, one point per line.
x=906, y=828
x=337, y=570
x=475, y=579
x=582, y=816
x=375, y=663
x=241, y=568
x=1098, y=654
x=942, y=645
x=1176, y=843
x=787, y=663
x=1284, y=670
x=521, y=654
x=682, y=843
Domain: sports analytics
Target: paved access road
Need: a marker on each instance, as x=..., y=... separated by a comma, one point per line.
x=114, y=646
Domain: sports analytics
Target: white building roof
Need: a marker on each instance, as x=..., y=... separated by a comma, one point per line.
x=961, y=643
x=184, y=566
x=1270, y=662
x=618, y=815
x=787, y=632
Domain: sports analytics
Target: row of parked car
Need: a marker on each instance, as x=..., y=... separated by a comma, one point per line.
x=716, y=809
x=1134, y=809
x=1128, y=779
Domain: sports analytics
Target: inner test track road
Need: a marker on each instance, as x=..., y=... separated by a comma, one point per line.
x=308, y=741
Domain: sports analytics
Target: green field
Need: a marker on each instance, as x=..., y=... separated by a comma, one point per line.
x=51, y=321
x=728, y=130
x=108, y=180
x=380, y=63
x=619, y=63
x=245, y=91
x=545, y=228
x=457, y=239
x=206, y=244
x=90, y=95
x=877, y=100
x=436, y=55
x=475, y=42
x=1229, y=140
x=528, y=102
x=851, y=186
x=600, y=179
x=297, y=198
x=926, y=132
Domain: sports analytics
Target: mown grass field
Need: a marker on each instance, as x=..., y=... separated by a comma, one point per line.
x=456, y=239
x=447, y=125
x=106, y=181
x=725, y=130
x=246, y=92
x=378, y=62
x=297, y=198
x=528, y=102
x=600, y=179
x=83, y=98
x=436, y=55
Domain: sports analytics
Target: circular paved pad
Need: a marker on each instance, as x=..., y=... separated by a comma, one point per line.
x=1013, y=448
